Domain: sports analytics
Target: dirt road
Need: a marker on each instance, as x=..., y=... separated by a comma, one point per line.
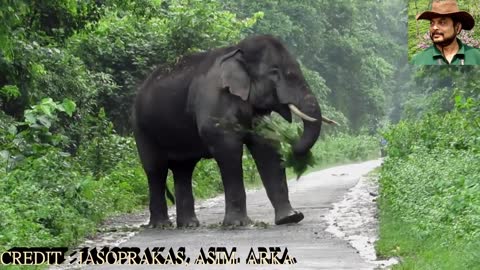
x=307, y=242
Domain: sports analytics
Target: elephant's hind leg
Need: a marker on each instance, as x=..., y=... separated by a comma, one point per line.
x=273, y=176
x=182, y=174
x=157, y=179
x=156, y=169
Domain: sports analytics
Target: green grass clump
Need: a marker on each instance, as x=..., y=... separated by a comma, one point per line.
x=283, y=137
x=419, y=251
x=331, y=150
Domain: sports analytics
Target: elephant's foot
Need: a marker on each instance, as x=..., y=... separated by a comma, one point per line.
x=236, y=220
x=286, y=217
x=188, y=222
x=158, y=223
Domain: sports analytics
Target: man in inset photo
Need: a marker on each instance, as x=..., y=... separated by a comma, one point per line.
x=446, y=23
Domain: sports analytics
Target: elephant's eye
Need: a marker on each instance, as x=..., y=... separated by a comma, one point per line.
x=274, y=74
x=291, y=76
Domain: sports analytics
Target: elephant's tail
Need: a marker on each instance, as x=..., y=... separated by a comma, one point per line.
x=170, y=196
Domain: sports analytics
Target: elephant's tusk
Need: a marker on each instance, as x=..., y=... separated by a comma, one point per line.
x=329, y=121
x=296, y=111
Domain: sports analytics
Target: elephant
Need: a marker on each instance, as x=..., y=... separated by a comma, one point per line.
x=204, y=107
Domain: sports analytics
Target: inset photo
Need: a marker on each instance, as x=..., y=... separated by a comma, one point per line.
x=444, y=32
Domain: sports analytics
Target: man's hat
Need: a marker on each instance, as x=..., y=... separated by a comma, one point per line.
x=448, y=8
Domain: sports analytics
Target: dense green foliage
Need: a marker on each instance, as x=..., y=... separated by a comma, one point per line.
x=430, y=189
x=418, y=39
x=43, y=189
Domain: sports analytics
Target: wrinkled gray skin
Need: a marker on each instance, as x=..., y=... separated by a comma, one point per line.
x=203, y=108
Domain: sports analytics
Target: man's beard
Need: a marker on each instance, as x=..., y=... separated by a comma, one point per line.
x=446, y=40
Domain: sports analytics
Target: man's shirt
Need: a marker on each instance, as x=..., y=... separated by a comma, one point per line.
x=466, y=55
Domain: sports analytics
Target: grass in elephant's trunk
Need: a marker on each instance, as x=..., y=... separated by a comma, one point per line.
x=283, y=136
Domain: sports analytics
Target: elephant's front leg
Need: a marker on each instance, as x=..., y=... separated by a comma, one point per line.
x=273, y=176
x=228, y=154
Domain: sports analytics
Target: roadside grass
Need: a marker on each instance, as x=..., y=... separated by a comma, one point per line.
x=430, y=192
x=398, y=239
x=432, y=218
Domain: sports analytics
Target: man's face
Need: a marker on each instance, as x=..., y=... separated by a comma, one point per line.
x=442, y=31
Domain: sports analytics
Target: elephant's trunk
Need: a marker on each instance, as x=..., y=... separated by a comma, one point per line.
x=311, y=127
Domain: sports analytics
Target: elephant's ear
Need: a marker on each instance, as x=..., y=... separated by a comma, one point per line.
x=234, y=76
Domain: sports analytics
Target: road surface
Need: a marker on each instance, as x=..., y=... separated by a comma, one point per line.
x=307, y=242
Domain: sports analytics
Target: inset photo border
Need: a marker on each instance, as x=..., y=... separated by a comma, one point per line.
x=419, y=38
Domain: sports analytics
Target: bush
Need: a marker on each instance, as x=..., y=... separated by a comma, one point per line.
x=49, y=197
x=47, y=201
x=435, y=191
x=454, y=131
